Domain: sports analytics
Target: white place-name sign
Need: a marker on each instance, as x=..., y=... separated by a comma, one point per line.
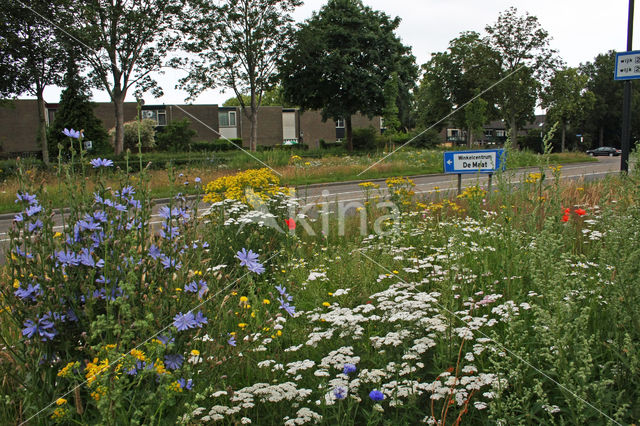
x=474, y=161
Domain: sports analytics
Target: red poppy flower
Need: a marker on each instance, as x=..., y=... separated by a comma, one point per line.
x=567, y=211
x=291, y=223
x=565, y=218
x=580, y=212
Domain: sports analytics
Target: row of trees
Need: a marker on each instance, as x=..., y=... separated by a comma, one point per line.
x=345, y=59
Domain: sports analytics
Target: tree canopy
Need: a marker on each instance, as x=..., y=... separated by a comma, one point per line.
x=237, y=44
x=340, y=60
x=526, y=62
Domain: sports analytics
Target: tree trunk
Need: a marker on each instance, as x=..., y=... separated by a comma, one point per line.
x=118, y=144
x=349, y=133
x=469, y=137
x=514, y=133
x=42, y=127
x=564, y=135
x=253, y=138
x=601, y=136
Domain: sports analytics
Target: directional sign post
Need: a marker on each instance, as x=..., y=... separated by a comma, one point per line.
x=473, y=162
x=627, y=65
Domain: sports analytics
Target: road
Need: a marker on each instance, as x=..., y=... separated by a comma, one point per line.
x=348, y=192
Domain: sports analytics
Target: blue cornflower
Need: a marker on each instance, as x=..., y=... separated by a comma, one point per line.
x=247, y=258
x=43, y=327
x=101, y=162
x=76, y=134
x=282, y=290
x=197, y=180
x=340, y=392
x=184, y=321
x=174, y=361
x=192, y=287
x=18, y=217
x=200, y=319
x=127, y=190
x=232, y=341
x=348, y=369
x=29, y=293
x=188, y=384
x=376, y=395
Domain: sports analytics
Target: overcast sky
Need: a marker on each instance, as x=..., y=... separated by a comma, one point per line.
x=580, y=29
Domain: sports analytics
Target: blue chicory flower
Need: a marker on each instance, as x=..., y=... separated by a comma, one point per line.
x=173, y=361
x=188, y=384
x=42, y=327
x=75, y=134
x=200, y=319
x=184, y=321
x=247, y=258
x=101, y=162
x=232, y=341
x=29, y=293
x=192, y=287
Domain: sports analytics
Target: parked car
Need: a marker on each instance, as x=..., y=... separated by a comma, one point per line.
x=605, y=150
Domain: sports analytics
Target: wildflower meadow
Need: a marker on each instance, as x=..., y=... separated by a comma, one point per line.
x=518, y=305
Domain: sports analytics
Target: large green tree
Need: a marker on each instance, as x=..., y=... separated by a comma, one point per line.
x=452, y=79
x=527, y=62
x=76, y=111
x=566, y=99
x=603, y=122
x=31, y=55
x=124, y=42
x=340, y=60
x=237, y=44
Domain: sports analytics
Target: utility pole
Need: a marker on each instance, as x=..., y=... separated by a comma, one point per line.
x=626, y=103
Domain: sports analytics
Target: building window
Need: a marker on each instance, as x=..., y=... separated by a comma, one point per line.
x=227, y=118
x=340, y=123
x=488, y=133
x=501, y=133
x=157, y=115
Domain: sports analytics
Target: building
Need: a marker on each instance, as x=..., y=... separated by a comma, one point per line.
x=276, y=125
x=494, y=133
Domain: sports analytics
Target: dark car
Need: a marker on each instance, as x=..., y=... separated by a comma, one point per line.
x=605, y=150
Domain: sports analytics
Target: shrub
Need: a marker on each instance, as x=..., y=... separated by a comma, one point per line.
x=147, y=134
x=365, y=138
x=429, y=139
x=216, y=145
x=176, y=136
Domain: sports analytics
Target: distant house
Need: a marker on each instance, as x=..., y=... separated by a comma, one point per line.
x=276, y=125
x=494, y=132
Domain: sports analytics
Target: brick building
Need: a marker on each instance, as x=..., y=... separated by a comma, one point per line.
x=18, y=123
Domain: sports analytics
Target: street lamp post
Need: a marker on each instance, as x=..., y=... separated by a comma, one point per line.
x=626, y=103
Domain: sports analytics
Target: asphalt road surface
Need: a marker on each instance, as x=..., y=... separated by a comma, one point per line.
x=350, y=192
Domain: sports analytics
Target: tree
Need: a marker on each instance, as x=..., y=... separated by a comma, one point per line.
x=32, y=57
x=566, y=99
x=237, y=45
x=124, y=42
x=455, y=77
x=526, y=64
x=603, y=121
x=340, y=60
x=76, y=111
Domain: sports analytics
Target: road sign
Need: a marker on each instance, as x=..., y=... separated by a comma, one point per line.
x=627, y=65
x=482, y=161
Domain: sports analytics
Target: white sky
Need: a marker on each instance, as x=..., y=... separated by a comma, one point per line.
x=580, y=29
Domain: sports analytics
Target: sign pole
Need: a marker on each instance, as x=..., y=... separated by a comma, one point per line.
x=459, y=183
x=626, y=103
x=490, y=175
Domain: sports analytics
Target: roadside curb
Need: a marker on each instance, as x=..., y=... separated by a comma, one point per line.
x=7, y=216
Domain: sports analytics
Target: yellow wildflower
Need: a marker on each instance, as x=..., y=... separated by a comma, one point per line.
x=195, y=352
x=61, y=401
x=57, y=235
x=326, y=304
x=175, y=386
x=242, y=325
x=266, y=301
x=67, y=369
x=16, y=283
x=58, y=413
x=138, y=354
x=244, y=299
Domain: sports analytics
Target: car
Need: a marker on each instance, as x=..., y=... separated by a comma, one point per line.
x=605, y=150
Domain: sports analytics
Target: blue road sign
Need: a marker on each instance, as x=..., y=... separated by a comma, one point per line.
x=627, y=65
x=482, y=161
